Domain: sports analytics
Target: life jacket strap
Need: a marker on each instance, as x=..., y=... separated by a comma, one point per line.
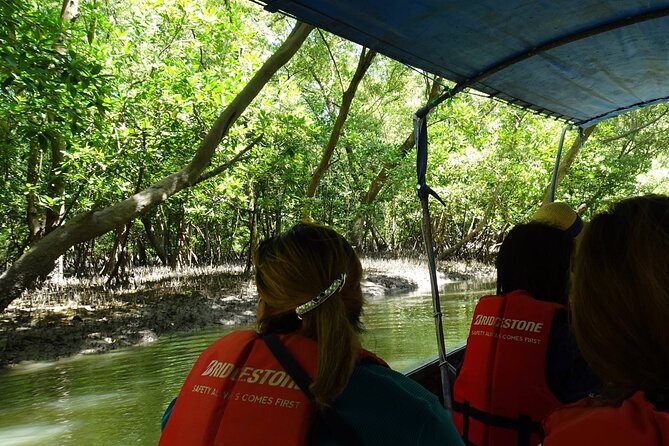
x=336, y=426
x=523, y=424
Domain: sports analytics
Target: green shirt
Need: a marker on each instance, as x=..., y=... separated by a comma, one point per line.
x=387, y=408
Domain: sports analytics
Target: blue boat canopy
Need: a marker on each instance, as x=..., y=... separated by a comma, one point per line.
x=582, y=61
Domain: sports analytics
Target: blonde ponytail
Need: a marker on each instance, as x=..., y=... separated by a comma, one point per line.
x=293, y=269
x=338, y=346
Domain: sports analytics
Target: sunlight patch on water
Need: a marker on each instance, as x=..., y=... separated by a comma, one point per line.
x=84, y=402
x=32, y=434
x=27, y=367
x=30, y=367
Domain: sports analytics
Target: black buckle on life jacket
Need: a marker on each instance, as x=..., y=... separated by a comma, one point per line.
x=523, y=424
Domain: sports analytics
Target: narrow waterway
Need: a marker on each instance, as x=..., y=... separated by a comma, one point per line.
x=118, y=398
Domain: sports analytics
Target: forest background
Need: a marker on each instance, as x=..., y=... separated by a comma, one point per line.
x=179, y=133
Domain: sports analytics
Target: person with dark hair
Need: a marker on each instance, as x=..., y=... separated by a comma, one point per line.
x=520, y=361
x=620, y=311
x=536, y=258
x=302, y=377
x=561, y=216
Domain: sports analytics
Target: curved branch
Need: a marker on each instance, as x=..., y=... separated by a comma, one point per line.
x=39, y=260
x=634, y=129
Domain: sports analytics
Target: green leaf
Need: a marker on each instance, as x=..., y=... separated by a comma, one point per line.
x=11, y=61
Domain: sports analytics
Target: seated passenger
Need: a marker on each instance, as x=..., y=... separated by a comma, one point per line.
x=303, y=377
x=521, y=361
x=620, y=310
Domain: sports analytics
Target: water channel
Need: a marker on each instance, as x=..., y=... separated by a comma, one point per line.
x=118, y=398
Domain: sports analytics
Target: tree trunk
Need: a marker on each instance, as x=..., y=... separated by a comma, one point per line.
x=35, y=222
x=115, y=267
x=208, y=252
x=475, y=231
x=39, y=260
x=38, y=223
x=175, y=255
x=155, y=241
x=365, y=60
x=253, y=229
x=90, y=32
x=56, y=212
x=141, y=258
x=379, y=241
x=69, y=10
x=277, y=221
x=567, y=161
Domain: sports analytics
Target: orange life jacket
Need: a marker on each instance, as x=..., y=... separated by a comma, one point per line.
x=501, y=395
x=237, y=394
x=635, y=422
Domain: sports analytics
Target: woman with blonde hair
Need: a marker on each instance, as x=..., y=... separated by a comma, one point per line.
x=620, y=312
x=302, y=377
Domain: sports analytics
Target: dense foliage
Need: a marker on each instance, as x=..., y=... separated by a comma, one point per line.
x=96, y=108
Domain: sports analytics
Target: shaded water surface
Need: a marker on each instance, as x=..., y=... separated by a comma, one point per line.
x=118, y=398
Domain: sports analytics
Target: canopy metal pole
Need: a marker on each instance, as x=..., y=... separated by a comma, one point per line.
x=424, y=192
x=558, y=156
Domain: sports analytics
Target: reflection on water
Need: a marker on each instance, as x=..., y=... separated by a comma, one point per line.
x=401, y=328
x=119, y=397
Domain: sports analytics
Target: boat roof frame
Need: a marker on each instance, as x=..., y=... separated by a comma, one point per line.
x=333, y=16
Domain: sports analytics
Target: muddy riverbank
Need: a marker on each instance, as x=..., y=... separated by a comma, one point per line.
x=85, y=317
